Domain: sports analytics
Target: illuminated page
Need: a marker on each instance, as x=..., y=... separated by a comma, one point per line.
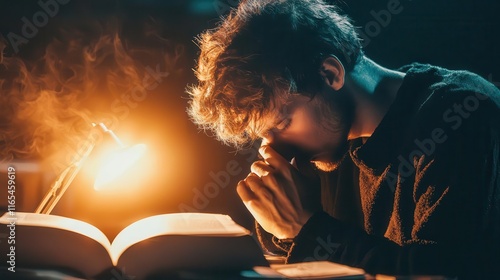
x=57, y=222
x=317, y=269
x=198, y=224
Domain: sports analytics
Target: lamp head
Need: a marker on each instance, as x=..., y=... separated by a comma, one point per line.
x=117, y=163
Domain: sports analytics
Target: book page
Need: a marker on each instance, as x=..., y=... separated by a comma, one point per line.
x=58, y=222
x=317, y=269
x=50, y=241
x=200, y=224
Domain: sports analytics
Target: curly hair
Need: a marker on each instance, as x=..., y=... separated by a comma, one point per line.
x=264, y=51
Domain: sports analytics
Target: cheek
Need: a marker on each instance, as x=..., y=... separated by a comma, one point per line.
x=307, y=134
x=307, y=130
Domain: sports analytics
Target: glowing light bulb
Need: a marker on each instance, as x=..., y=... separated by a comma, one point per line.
x=117, y=164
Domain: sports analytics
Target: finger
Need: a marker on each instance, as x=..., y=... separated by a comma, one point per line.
x=265, y=141
x=271, y=186
x=264, y=207
x=261, y=168
x=256, y=211
x=244, y=191
x=258, y=188
x=275, y=185
x=284, y=196
x=266, y=179
x=274, y=159
x=268, y=185
x=253, y=208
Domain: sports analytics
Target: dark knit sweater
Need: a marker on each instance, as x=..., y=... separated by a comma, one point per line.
x=422, y=194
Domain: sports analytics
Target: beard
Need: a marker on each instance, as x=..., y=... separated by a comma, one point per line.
x=329, y=165
x=326, y=166
x=336, y=113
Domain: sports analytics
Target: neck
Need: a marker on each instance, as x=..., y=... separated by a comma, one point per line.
x=373, y=89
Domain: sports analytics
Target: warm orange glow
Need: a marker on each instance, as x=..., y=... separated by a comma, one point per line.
x=54, y=221
x=117, y=164
x=201, y=224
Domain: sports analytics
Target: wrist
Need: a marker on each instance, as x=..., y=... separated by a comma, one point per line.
x=312, y=220
x=306, y=215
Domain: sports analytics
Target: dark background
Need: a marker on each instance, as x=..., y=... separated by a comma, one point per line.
x=452, y=34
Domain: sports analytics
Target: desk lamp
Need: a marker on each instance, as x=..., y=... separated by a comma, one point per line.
x=112, y=167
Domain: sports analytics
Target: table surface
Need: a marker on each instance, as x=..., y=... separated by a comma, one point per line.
x=41, y=274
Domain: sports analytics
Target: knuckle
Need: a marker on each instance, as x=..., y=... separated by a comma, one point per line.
x=271, y=180
x=254, y=183
x=264, y=149
x=259, y=168
x=268, y=176
x=255, y=165
x=250, y=176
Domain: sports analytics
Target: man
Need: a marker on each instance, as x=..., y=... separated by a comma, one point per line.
x=408, y=159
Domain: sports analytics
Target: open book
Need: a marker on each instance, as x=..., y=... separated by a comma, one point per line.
x=151, y=246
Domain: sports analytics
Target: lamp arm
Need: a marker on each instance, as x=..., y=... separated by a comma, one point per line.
x=62, y=182
x=51, y=194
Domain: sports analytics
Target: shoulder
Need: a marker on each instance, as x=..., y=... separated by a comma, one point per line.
x=439, y=79
x=445, y=96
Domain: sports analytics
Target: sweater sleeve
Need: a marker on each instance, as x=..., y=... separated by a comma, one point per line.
x=326, y=238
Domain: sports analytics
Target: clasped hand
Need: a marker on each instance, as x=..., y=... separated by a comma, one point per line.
x=272, y=194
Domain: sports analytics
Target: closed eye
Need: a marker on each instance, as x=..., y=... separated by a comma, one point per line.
x=284, y=124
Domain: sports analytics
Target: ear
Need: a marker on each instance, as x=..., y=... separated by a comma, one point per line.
x=333, y=72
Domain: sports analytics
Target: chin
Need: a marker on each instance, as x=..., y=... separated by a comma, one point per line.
x=326, y=166
x=331, y=163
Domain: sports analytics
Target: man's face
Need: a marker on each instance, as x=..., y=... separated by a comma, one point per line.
x=313, y=130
